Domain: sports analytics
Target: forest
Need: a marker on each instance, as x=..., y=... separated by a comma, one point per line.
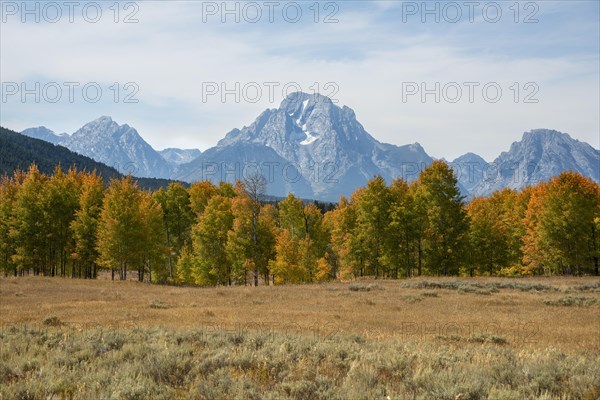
x=73, y=224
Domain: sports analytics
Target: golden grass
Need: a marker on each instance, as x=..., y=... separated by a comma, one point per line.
x=385, y=312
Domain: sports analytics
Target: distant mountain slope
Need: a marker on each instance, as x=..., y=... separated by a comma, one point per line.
x=239, y=160
x=540, y=155
x=120, y=146
x=469, y=171
x=179, y=156
x=46, y=134
x=19, y=152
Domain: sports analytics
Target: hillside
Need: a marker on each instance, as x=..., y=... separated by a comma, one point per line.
x=19, y=152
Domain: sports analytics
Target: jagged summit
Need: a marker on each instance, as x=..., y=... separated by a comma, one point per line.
x=324, y=141
x=538, y=156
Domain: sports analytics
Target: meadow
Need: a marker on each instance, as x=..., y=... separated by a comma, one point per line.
x=420, y=338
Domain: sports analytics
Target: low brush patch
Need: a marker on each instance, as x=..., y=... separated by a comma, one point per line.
x=157, y=363
x=572, y=301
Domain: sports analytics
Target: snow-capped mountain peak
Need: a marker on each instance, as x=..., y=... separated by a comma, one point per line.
x=324, y=142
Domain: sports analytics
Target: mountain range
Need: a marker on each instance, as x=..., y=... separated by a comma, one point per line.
x=19, y=152
x=118, y=146
x=315, y=149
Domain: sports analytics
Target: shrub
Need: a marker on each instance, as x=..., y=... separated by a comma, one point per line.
x=52, y=320
x=586, y=287
x=159, y=304
x=474, y=338
x=472, y=287
x=487, y=338
x=570, y=301
x=466, y=289
x=411, y=299
x=361, y=287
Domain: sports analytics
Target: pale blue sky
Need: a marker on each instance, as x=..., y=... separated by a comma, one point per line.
x=374, y=50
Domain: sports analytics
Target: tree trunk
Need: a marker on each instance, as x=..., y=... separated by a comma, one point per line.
x=407, y=259
x=420, y=260
x=595, y=250
x=376, y=260
x=361, y=267
x=254, y=256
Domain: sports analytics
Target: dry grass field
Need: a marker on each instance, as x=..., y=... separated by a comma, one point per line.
x=389, y=309
x=425, y=338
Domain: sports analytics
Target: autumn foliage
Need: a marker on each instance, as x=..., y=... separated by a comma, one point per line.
x=74, y=224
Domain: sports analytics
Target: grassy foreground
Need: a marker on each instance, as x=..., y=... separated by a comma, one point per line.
x=165, y=364
x=415, y=339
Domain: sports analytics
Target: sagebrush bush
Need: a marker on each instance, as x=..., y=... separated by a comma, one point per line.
x=155, y=363
x=52, y=320
x=159, y=304
x=411, y=299
x=586, y=287
x=361, y=287
x=472, y=287
x=572, y=301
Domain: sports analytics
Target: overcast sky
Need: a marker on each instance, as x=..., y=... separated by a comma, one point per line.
x=375, y=57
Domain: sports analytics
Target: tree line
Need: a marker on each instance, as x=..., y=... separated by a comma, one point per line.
x=74, y=224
